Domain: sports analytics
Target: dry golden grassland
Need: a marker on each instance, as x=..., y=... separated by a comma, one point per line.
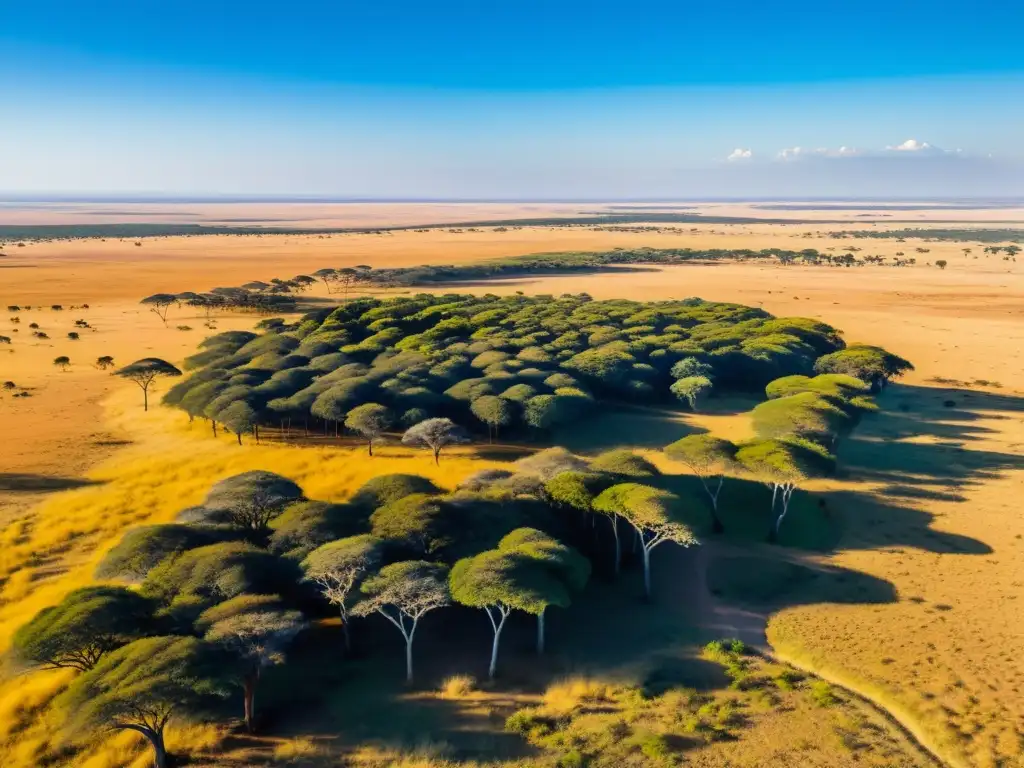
x=927, y=494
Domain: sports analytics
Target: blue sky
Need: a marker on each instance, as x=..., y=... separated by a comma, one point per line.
x=522, y=99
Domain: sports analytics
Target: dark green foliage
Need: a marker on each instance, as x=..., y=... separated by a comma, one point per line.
x=306, y=525
x=142, y=686
x=384, y=489
x=551, y=360
x=186, y=585
x=871, y=364
x=141, y=549
x=84, y=626
x=623, y=462
x=248, y=501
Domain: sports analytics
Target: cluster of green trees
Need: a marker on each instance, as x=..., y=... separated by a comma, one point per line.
x=198, y=608
x=797, y=431
x=956, y=235
x=515, y=364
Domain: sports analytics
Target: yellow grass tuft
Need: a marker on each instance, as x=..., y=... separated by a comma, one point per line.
x=301, y=748
x=458, y=687
x=567, y=696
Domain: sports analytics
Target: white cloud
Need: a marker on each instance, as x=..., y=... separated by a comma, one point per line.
x=912, y=145
x=740, y=154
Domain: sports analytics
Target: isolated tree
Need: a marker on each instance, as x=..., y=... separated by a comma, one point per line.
x=564, y=563
x=144, y=371
x=941, y=263
x=248, y=501
x=370, y=420
x=255, y=630
x=689, y=367
x=692, y=390
x=240, y=418
x=782, y=466
x=870, y=364
x=652, y=512
x=709, y=458
x=338, y=567
x=73, y=336
x=160, y=304
x=435, y=434
x=495, y=412
x=142, y=686
x=62, y=362
x=501, y=582
x=403, y=593
x=103, y=362
x=85, y=625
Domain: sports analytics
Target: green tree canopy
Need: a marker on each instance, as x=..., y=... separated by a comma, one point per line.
x=305, y=525
x=240, y=418
x=142, y=548
x=710, y=458
x=195, y=580
x=564, y=563
x=422, y=522
x=872, y=364
x=502, y=581
x=142, y=686
x=371, y=420
x=782, y=465
x=254, y=630
x=654, y=515
x=85, y=625
x=692, y=390
x=383, y=489
x=495, y=412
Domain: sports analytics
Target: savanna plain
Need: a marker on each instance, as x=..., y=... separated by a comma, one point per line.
x=881, y=627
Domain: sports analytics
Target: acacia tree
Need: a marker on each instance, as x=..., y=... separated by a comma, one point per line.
x=577, y=490
x=371, y=420
x=435, y=434
x=653, y=514
x=565, y=564
x=255, y=630
x=62, y=362
x=144, y=371
x=709, y=458
x=782, y=466
x=692, y=389
x=142, y=686
x=337, y=567
x=84, y=626
x=160, y=304
x=501, y=582
x=240, y=418
x=403, y=593
x=495, y=412
x=103, y=362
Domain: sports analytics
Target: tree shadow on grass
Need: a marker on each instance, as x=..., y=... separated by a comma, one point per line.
x=22, y=482
x=621, y=425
